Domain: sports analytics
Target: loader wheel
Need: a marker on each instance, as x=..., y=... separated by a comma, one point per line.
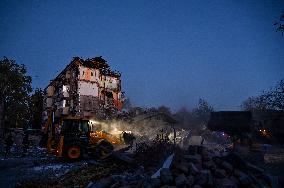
x=74, y=152
x=104, y=149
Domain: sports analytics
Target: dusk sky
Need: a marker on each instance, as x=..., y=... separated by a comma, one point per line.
x=170, y=52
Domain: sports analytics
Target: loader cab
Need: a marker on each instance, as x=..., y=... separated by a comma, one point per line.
x=75, y=126
x=74, y=135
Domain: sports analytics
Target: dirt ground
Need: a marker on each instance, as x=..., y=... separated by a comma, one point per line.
x=36, y=164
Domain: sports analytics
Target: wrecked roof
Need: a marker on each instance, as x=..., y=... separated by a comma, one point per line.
x=96, y=62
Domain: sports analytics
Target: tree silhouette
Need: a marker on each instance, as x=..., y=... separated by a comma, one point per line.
x=272, y=99
x=280, y=24
x=36, y=108
x=15, y=87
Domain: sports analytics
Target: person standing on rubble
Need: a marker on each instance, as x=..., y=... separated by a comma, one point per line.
x=128, y=138
x=9, y=143
x=25, y=144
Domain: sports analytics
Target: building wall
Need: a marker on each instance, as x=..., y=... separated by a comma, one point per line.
x=89, y=74
x=88, y=88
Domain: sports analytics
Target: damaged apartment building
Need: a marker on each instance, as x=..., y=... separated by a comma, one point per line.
x=85, y=88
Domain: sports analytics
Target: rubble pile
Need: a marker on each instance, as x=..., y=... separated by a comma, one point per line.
x=196, y=167
x=200, y=167
x=151, y=154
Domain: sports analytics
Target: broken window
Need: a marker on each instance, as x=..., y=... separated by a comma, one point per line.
x=83, y=126
x=109, y=94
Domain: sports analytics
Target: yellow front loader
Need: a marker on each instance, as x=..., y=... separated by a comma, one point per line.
x=74, y=137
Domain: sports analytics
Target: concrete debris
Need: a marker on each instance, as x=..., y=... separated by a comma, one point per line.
x=166, y=164
x=155, y=182
x=201, y=178
x=193, y=158
x=103, y=183
x=227, y=166
x=183, y=172
x=245, y=180
x=123, y=157
x=183, y=167
x=180, y=180
x=220, y=173
x=196, y=140
x=254, y=168
x=190, y=180
x=228, y=183
x=193, y=169
x=166, y=176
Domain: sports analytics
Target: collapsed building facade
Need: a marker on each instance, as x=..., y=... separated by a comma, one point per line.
x=85, y=88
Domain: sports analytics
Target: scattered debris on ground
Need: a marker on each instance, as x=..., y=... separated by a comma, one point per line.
x=148, y=163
